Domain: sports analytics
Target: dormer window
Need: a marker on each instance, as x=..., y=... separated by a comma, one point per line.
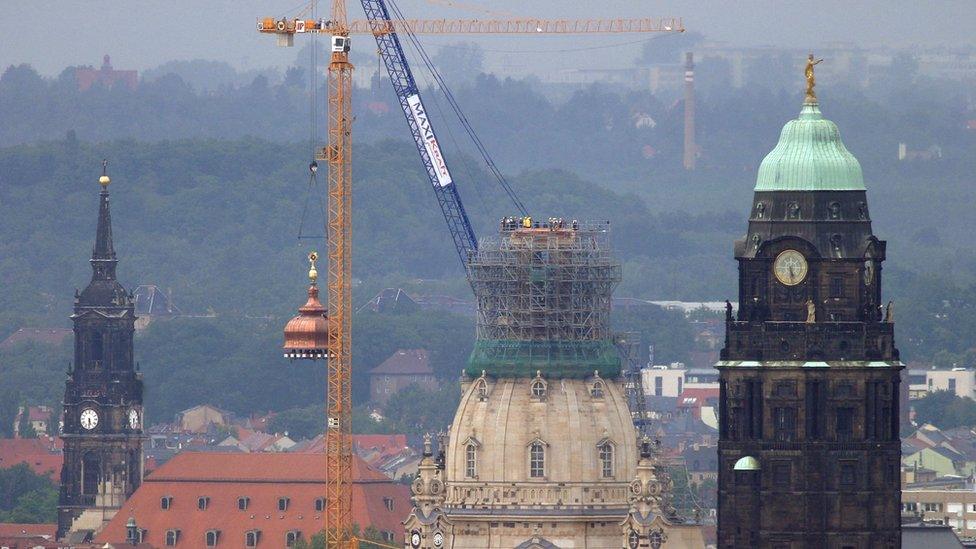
x=243, y=503
x=481, y=388
x=538, y=386
x=212, y=537
x=598, y=387
x=203, y=502
x=834, y=209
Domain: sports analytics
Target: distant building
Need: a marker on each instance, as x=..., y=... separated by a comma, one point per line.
x=39, y=417
x=106, y=76
x=701, y=462
x=43, y=336
x=404, y=367
x=929, y=153
x=152, y=303
x=201, y=417
x=391, y=300
x=953, y=507
x=666, y=381
x=959, y=381
x=204, y=499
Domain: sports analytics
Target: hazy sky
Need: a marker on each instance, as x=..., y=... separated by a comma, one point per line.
x=140, y=34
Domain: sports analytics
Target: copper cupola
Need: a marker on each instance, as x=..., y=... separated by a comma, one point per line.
x=307, y=335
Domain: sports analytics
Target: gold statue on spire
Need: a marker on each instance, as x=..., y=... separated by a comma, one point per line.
x=811, y=79
x=104, y=179
x=313, y=273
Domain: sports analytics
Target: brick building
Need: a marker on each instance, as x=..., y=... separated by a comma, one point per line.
x=404, y=367
x=203, y=499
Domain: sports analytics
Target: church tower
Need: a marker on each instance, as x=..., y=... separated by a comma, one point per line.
x=809, y=451
x=102, y=398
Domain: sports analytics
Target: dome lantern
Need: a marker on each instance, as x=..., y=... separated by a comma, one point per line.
x=307, y=334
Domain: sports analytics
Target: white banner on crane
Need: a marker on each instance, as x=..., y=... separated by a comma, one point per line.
x=430, y=141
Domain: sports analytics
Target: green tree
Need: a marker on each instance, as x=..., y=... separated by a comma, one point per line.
x=945, y=410
x=304, y=422
x=26, y=428
x=26, y=496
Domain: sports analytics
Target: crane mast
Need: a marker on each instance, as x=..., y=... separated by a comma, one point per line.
x=338, y=156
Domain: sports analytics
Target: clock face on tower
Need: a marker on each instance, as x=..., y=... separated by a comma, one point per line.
x=790, y=267
x=415, y=539
x=88, y=418
x=133, y=419
x=438, y=539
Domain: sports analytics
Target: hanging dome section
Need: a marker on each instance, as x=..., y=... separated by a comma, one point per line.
x=307, y=335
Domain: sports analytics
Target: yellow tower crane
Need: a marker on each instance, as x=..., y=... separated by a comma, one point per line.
x=335, y=321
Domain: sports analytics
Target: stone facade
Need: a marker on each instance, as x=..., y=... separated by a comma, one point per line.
x=102, y=432
x=809, y=385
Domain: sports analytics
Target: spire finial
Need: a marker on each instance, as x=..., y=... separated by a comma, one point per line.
x=313, y=273
x=104, y=180
x=811, y=79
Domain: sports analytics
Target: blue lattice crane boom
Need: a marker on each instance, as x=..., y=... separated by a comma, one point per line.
x=385, y=29
x=416, y=115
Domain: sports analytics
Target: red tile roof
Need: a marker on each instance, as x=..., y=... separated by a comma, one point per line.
x=264, y=478
x=405, y=362
x=42, y=455
x=39, y=413
x=13, y=529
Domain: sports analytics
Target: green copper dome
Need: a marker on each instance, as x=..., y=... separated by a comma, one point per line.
x=810, y=157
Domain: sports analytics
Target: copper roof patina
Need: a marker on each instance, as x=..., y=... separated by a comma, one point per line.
x=810, y=156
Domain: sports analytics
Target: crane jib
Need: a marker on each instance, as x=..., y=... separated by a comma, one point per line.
x=419, y=113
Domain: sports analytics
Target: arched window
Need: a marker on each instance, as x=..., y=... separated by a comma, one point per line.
x=243, y=502
x=91, y=473
x=212, y=537
x=470, y=461
x=252, y=538
x=596, y=391
x=319, y=504
x=292, y=537
x=481, y=389
x=172, y=537
x=537, y=460
x=538, y=389
x=606, y=459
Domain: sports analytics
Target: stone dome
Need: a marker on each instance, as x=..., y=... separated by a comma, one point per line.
x=810, y=156
x=572, y=420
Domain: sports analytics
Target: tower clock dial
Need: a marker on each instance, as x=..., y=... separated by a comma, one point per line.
x=88, y=418
x=415, y=539
x=133, y=419
x=790, y=267
x=438, y=539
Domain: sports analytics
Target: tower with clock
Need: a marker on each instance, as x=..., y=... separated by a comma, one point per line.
x=102, y=430
x=809, y=451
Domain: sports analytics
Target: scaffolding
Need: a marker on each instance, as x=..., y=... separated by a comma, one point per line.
x=544, y=292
